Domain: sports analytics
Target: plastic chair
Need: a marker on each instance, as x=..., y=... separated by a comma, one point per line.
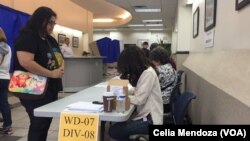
x=180, y=108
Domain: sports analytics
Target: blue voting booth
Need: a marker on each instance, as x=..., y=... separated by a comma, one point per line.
x=11, y=22
x=109, y=48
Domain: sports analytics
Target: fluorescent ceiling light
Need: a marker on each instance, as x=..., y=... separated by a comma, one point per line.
x=145, y=21
x=156, y=29
x=136, y=25
x=147, y=10
x=139, y=29
x=103, y=20
x=154, y=24
x=110, y=29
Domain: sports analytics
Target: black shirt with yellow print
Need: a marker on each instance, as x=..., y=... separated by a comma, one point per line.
x=42, y=49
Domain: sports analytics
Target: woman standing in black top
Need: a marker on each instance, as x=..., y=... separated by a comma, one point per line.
x=34, y=49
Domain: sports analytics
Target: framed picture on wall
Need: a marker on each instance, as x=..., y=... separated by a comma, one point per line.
x=61, y=38
x=196, y=22
x=239, y=4
x=75, y=42
x=210, y=14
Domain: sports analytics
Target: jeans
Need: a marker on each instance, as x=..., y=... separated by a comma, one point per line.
x=122, y=131
x=39, y=126
x=4, y=105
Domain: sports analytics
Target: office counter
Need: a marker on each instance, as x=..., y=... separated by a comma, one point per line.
x=82, y=72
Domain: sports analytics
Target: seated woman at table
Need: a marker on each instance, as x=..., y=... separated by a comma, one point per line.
x=134, y=66
x=167, y=74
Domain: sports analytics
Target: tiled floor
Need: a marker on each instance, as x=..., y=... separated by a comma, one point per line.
x=21, y=121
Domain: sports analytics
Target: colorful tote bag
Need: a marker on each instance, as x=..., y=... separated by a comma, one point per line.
x=26, y=85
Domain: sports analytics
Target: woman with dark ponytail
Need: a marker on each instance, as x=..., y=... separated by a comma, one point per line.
x=134, y=66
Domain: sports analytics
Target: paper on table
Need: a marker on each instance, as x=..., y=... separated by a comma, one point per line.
x=85, y=106
x=116, y=89
x=79, y=111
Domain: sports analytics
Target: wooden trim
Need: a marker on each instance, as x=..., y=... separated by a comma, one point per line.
x=182, y=52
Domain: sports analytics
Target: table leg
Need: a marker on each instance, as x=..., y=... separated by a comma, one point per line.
x=102, y=130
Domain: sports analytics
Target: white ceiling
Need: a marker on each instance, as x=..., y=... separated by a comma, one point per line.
x=167, y=14
x=108, y=9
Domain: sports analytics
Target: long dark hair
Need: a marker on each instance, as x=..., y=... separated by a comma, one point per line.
x=131, y=63
x=39, y=20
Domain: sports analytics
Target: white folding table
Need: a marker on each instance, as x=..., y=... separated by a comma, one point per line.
x=90, y=94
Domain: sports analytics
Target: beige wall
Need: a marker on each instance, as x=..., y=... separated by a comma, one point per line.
x=219, y=76
x=180, y=59
x=221, y=82
x=68, y=14
x=9, y=3
x=90, y=26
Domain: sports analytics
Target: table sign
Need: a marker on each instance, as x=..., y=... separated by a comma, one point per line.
x=78, y=127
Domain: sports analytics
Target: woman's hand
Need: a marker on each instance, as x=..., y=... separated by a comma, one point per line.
x=59, y=72
x=29, y=64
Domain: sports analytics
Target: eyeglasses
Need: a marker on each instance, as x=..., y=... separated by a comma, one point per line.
x=52, y=23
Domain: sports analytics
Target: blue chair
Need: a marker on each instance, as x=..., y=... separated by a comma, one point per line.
x=177, y=89
x=168, y=115
x=179, y=75
x=175, y=94
x=180, y=106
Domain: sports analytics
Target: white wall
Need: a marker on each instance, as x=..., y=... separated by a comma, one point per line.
x=181, y=35
x=174, y=42
x=184, y=26
x=99, y=35
x=132, y=37
x=231, y=30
